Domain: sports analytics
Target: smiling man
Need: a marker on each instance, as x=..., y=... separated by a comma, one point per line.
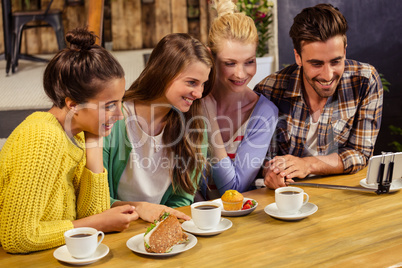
x=330, y=107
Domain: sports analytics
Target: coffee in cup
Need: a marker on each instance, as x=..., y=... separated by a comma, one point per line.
x=206, y=215
x=82, y=242
x=289, y=200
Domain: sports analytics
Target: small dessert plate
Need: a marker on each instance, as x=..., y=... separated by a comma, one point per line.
x=136, y=244
x=306, y=210
x=396, y=185
x=190, y=227
x=63, y=255
x=235, y=213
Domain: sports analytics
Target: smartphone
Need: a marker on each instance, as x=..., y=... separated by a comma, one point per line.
x=374, y=167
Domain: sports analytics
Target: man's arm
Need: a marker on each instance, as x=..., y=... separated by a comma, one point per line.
x=285, y=168
x=359, y=146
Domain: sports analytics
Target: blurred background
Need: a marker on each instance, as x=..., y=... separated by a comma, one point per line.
x=131, y=28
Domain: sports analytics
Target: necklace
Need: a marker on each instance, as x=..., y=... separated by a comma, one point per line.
x=137, y=136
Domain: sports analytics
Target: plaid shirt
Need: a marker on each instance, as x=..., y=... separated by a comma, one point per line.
x=349, y=122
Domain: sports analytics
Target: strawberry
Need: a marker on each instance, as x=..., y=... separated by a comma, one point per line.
x=249, y=204
x=246, y=206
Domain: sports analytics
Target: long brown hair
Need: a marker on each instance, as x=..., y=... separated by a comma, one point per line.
x=169, y=58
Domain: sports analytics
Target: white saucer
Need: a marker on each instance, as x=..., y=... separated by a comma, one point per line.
x=235, y=213
x=136, y=244
x=63, y=255
x=190, y=227
x=306, y=210
x=396, y=185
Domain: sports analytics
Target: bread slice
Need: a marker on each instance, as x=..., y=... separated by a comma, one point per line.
x=164, y=234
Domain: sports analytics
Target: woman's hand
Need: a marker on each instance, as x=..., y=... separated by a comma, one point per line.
x=115, y=219
x=150, y=212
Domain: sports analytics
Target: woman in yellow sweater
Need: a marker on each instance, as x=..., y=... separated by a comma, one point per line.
x=51, y=169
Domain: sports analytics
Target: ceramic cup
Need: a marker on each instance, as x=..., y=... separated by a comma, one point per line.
x=82, y=242
x=206, y=215
x=289, y=200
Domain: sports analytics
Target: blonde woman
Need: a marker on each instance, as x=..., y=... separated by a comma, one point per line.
x=241, y=121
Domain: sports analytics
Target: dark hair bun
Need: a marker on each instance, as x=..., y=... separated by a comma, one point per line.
x=80, y=38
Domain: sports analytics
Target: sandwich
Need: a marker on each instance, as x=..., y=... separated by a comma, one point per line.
x=163, y=234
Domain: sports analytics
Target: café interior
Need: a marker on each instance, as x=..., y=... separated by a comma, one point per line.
x=344, y=224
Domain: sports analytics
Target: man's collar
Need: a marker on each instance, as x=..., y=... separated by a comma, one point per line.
x=295, y=84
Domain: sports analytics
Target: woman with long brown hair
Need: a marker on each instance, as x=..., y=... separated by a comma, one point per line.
x=157, y=154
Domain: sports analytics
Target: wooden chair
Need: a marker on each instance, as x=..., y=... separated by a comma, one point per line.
x=6, y=8
x=20, y=22
x=95, y=18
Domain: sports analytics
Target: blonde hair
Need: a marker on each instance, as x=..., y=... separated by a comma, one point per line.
x=231, y=25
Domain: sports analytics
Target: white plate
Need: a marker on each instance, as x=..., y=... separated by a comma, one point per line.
x=136, y=244
x=190, y=227
x=234, y=213
x=306, y=210
x=63, y=255
x=395, y=185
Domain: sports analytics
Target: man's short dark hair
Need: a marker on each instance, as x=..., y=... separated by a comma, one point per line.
x=318, y=23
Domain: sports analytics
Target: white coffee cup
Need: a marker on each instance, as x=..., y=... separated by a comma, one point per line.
x=82, y=242
x=289, y=200
x=206, y=215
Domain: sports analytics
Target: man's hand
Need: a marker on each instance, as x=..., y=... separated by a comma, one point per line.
x=292, y=166
x=283, y=169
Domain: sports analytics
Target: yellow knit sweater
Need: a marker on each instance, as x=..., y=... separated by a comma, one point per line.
x=44, y=185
